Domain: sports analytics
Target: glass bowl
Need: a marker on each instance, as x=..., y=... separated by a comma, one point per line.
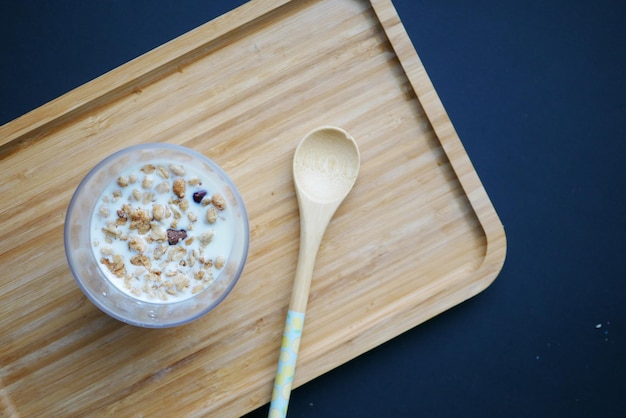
x=92, y=276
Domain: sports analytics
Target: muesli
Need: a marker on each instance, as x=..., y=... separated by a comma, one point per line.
x=161, y=232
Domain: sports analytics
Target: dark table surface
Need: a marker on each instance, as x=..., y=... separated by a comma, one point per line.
x=537, y=93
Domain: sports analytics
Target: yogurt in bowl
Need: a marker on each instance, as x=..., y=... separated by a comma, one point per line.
x=156, y=235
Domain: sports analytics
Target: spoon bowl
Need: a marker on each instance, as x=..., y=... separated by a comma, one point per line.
x=325, y=167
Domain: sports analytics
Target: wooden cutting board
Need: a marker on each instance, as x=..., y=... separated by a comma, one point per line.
x=416, y=236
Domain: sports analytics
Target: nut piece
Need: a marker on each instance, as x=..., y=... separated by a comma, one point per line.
x=103, y=211
x=159, y=251
x=176, y=213
x=211, y=215
x=137, y=244
x=208, y=277
x=141, y=260
x=177, y=169
x=191, y=259
x=116, y=195
x=180, y=281
x=116, y=266
x=121, y=217
x=176, y=253
x=206, y=237
x=158, y=211
x=219, y=262
x=179, y=187
x=112, y=231
x=148, y=197
x=148, y=169
x=162, y=172
x=122, y=181
x=218, y=201
x=139, y=219
x=147, y=182
x=157, y=233
x=163, y=187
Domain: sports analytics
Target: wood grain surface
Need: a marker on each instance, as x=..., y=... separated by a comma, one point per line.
x=416, y=236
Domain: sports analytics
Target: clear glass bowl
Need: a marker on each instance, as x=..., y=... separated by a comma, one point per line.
x=87, y=272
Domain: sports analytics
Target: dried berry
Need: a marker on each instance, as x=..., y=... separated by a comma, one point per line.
x=174, y=236
x=199, y=195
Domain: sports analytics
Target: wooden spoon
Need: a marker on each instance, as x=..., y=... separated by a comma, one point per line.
x=325, y=167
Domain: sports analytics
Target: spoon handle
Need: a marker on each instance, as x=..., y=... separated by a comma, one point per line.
x=286, y=364
x=310, y=238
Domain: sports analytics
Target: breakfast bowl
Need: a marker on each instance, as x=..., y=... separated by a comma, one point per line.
x=156, y=235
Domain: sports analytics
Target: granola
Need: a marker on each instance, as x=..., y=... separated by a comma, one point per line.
x=161, y=232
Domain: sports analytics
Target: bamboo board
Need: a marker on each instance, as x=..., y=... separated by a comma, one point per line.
x=416, y=236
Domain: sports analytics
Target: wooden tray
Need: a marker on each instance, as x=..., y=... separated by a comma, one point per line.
x=415, y=237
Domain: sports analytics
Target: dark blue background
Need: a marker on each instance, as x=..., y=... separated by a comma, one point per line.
x=537, y=93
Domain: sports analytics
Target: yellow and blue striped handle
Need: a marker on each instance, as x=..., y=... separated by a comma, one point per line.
x=286, y=364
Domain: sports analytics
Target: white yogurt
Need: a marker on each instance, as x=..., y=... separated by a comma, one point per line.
x=132, y=244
